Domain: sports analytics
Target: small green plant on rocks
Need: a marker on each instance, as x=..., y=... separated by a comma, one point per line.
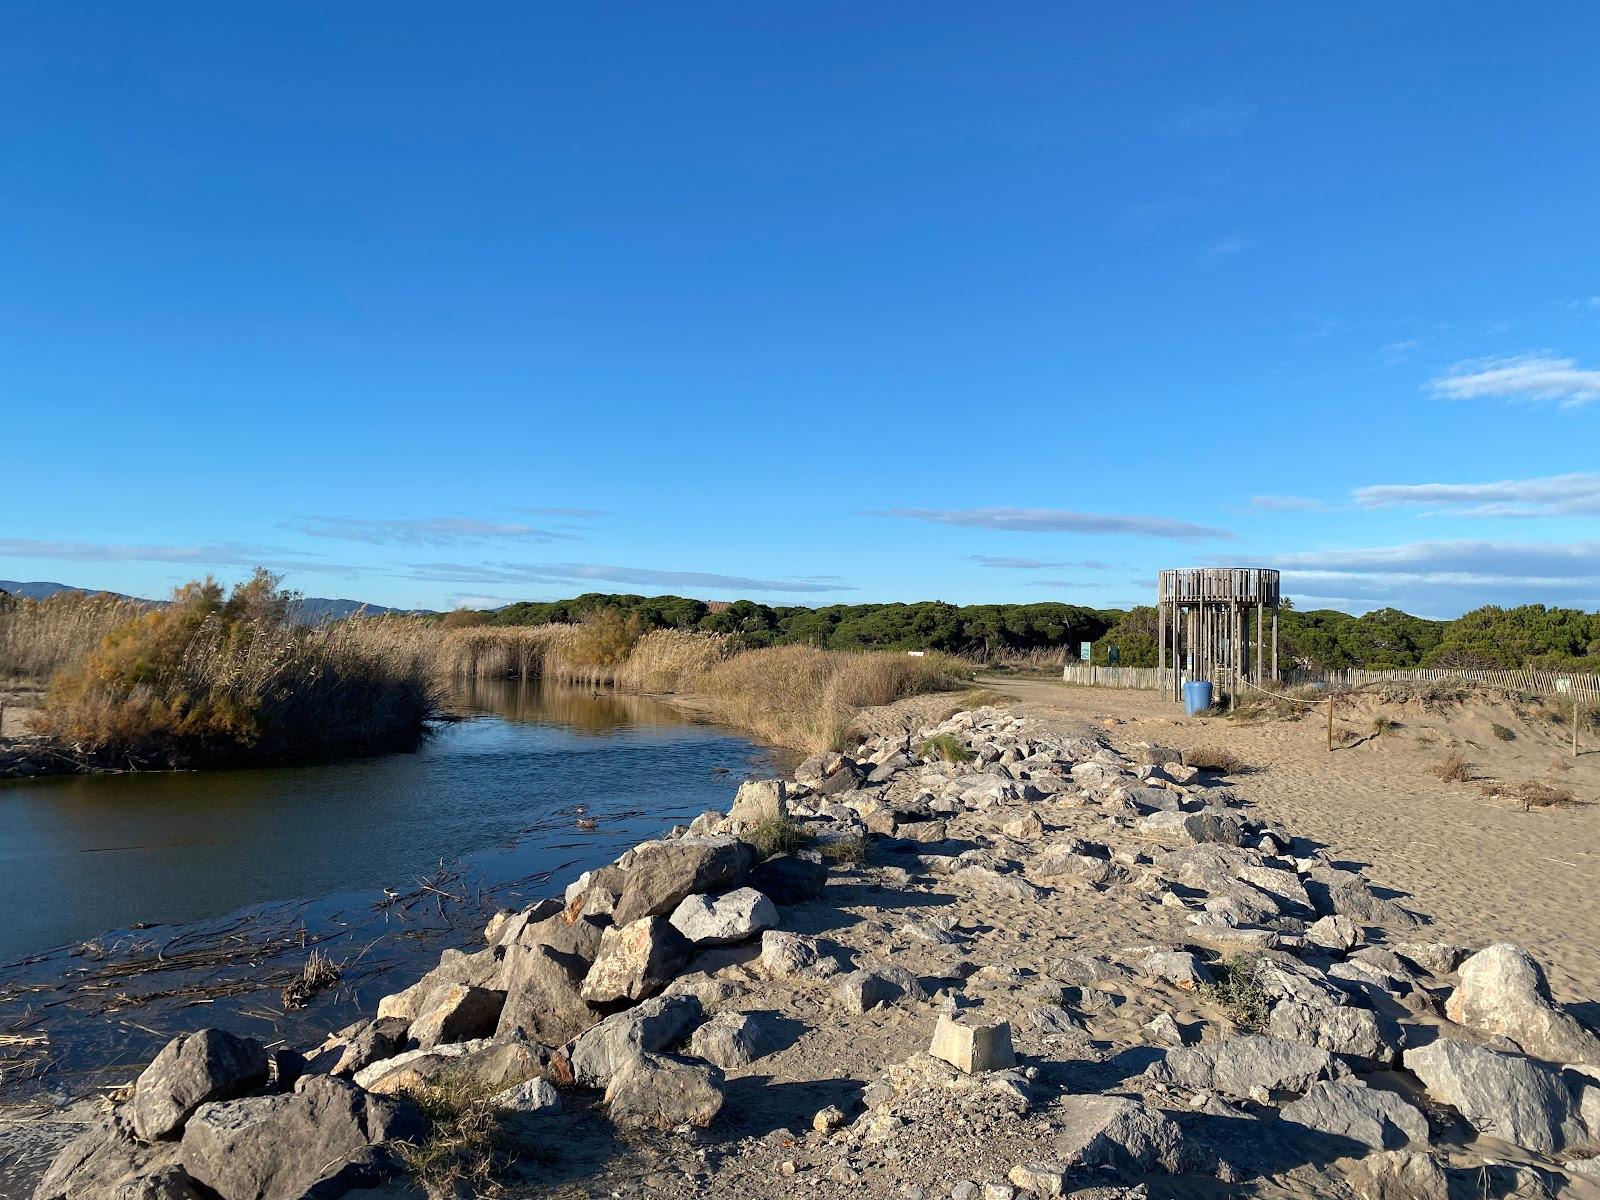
x=946, y=746
x=850, y=851
x=1235, y=988
x=780, y=835
x=1504, y=733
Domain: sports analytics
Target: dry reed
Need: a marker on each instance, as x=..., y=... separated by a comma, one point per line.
x=40, y=637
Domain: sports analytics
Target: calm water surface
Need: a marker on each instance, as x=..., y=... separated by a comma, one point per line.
x=84, y=855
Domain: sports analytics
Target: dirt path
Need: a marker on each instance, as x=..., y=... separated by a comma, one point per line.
x=1481, y=867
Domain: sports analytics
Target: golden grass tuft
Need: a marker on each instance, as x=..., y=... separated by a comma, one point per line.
x=807, y=698
x=1216, y=759
x=1453, y=768
x=671, y=660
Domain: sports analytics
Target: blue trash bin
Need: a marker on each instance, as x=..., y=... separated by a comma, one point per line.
x=1197, y=696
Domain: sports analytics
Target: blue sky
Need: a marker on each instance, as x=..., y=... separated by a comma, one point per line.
x=808, y=303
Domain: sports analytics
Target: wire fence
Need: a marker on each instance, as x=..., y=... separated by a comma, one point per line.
x=1580, y=684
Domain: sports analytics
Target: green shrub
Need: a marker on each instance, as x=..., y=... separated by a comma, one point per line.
x=1235, y=988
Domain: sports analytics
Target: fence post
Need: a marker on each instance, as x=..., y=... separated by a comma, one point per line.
x=1330, y=724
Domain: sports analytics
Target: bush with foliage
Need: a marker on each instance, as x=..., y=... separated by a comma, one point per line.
x=209, y=679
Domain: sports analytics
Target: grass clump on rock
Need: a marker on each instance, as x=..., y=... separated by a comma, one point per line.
x=462, y=1152
x=209, y=680
x=778, y=835
x=946, y=746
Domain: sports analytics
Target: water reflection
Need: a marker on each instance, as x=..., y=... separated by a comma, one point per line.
x=583, y=710
x=111, y=886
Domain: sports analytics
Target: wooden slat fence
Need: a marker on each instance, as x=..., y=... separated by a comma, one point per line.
x=1584, y=685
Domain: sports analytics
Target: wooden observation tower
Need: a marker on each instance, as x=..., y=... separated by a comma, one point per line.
x=1205, y=627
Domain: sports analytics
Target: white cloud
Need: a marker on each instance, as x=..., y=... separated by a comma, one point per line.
x=1448, y=576
x=210, y=554
x=421, y=531
x=1038, y=564
x=1576, y=494
x=1520, y=377
x=569, y=573
x=1287, y=503
x=1056, y=520
x=1396, y=353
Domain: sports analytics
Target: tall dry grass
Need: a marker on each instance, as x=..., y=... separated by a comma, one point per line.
x=671, y=660
x=40, y=637
x=807, y=698
x=205, y=680
x=498, y=651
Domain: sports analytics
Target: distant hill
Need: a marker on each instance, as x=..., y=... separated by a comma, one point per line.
x=39, y=590
x=313, y=610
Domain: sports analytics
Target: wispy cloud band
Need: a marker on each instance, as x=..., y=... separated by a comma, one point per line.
x=1056, y=520
x=1520, y=377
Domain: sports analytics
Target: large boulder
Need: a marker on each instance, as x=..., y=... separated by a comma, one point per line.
x=191, y=1070
x=378, y=1039
x=108, y=1161
x=1110, y=1131
x=663, y=873
x=455, y=969
x=733, y=1039
x=1207, y=825
x=1398, y=1175
x=635, y=961
x=320, y=1140
x=1349, y=1109
x=1352, y=1033
x=724, y=920
x=657, y=1024
x=542, y=975
x=490, y=1063
x=459, y=1013
x=1503, y=990
x=760, y=802
x=791, y=878
x=656, y=1092
x=1518, y=1100
x=1250, y=1066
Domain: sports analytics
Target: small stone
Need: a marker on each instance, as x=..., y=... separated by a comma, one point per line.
x=1164, y=1031
x=534, y=1095
x=828, y=1119
x=973, y=1046
x=999, y=1191
x=1333, y=933
x=1040, y=1178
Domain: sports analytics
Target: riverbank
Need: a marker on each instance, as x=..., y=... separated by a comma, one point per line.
x=1127, y=926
